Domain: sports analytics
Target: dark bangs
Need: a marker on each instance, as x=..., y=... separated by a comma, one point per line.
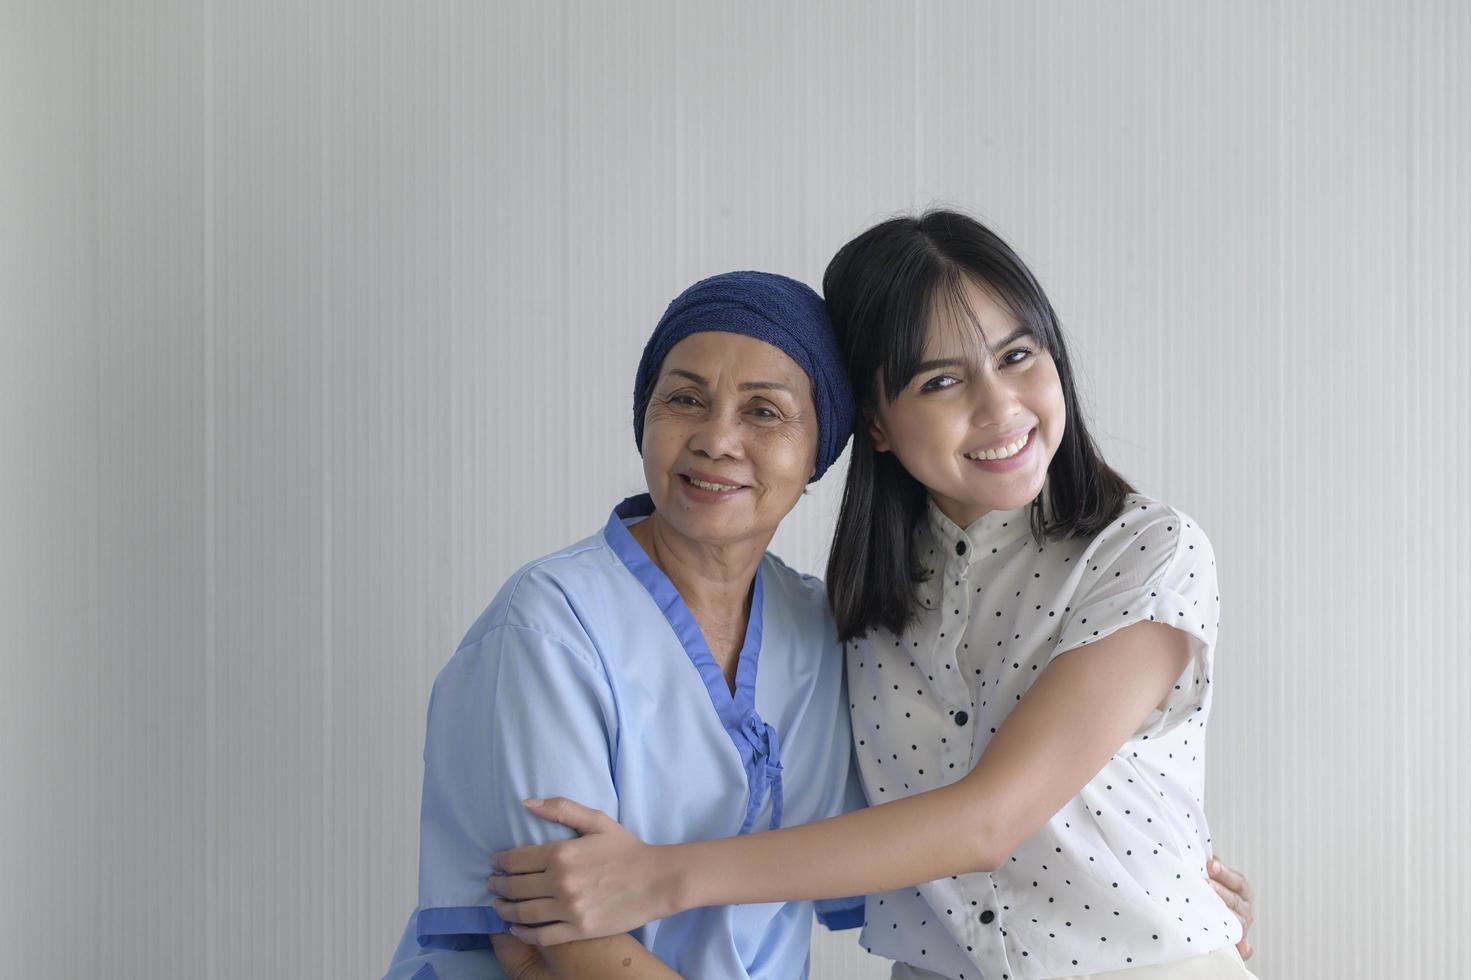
x=936, y=294
x=883, y=289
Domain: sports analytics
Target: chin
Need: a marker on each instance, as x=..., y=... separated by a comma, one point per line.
x=712, y=527
x=1014, y=499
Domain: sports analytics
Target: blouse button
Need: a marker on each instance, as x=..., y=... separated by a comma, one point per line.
x=987, y=916
x=961, y=717
x=960, y=547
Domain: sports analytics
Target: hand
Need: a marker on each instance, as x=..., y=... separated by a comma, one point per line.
x=602, y=883
x=1235, y=891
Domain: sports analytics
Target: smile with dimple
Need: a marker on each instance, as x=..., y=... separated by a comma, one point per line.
x=1005, y=451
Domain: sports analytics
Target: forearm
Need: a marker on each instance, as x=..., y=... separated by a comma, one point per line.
x=1077, y=714
x=1050, y=746
x=928, y=836
x=618, y=957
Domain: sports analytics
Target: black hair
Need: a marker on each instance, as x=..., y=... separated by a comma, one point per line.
x=882, y=289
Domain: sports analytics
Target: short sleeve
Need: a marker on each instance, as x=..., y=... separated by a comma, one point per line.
x=517, y=714
x=412, y=962
x=1153, y=564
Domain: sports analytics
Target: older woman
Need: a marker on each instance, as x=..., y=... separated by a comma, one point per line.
x=666, y=670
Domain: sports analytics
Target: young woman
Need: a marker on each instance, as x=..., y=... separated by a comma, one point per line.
x=1030, y=647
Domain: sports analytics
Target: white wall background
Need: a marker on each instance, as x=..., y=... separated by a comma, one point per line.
x=318, y=318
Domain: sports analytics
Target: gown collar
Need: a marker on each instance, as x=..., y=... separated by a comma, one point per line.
x=756, y=741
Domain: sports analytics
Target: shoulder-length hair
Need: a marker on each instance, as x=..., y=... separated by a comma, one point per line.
x=882, y=289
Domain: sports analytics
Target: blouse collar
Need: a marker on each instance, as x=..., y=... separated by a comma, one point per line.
x=983, y=537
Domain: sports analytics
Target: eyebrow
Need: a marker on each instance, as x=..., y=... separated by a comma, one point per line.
x=747, y=386
x=947, y=362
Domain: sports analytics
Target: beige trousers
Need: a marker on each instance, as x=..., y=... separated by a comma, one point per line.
x=1224, y=964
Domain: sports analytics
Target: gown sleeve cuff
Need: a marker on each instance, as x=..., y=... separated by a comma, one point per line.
x=463, y=927
x=840, y=914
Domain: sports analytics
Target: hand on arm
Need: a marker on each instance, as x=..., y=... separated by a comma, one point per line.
x=1081, y=710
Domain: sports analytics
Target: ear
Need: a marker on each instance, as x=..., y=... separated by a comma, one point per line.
x=876, y=433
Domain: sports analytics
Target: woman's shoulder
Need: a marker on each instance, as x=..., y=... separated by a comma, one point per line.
x=544, y=594
x=1146, y=541
x=795, y=593
x=1146, y=520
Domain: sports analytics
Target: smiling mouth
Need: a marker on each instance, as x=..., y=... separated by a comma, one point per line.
x=705, y=485
x=1004, y=452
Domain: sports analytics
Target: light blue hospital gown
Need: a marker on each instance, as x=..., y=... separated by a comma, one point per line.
x=587, y=677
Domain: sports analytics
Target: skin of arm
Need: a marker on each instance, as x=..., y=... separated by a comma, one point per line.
x=621, y=957
x=1081, y=710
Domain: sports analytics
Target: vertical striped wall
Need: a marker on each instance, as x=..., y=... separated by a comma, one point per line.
x=318, y=318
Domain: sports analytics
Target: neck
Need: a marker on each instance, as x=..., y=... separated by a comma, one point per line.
x=961, y=514
x=714, y=581
x=709, y=577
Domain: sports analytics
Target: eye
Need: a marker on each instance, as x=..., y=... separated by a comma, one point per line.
x=683, y=399
x=940, y=383
x=1016, y=356
x=765, y=411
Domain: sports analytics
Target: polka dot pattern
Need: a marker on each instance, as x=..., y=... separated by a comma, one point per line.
x=1116, y=879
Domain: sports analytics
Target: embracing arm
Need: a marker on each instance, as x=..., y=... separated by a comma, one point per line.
x=1080, y=711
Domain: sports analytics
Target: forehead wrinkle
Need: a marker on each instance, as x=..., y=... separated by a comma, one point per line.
x=687, y=375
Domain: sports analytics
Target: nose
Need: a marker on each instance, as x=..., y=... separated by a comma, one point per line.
x=717, y=436
x=995, y=405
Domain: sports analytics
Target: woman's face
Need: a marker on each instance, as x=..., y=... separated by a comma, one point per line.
x=979, y=424
x=730, y=438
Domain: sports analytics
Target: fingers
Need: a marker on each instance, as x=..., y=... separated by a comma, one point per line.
x=1245, y=889
x=1236, y=892
x=1238, y=906
x=519, y=888
x=535, y=911
x=1232, y=900
x=524, y=860
x=1233, y=880
x=552, y=935
x=570, y=813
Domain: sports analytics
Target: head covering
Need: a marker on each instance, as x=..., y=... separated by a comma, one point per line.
x=780, y=311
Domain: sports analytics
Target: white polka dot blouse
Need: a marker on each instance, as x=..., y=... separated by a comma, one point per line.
x=1116, y=879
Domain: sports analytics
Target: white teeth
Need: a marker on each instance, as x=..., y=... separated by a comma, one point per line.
x=710, y=486
x=1004, y=452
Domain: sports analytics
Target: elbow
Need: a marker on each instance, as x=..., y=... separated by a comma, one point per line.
x=992, y=850
x=989, y=837
x=986, y=858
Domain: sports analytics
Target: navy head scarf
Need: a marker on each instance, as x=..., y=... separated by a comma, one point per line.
x=779, y=311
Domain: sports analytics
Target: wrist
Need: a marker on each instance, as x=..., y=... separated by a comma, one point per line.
x=677, y=884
